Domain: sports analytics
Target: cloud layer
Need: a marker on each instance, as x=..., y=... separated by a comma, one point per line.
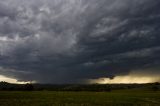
x=68, y=41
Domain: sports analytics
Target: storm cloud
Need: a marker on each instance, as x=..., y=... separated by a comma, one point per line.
x=70, y=41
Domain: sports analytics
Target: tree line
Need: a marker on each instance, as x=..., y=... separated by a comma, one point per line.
x=4, y=86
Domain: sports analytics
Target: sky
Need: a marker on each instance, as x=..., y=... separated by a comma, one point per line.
x=80, y=41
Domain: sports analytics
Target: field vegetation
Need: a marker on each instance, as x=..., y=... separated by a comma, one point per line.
x=80, y=95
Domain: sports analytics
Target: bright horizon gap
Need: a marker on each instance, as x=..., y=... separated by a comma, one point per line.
x=12, y=80
x=127, y=79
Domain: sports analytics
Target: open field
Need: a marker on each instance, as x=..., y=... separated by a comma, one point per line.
x=52, y=98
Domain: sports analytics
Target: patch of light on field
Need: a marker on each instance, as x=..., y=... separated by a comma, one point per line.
x=131, y=78
x=11, y=80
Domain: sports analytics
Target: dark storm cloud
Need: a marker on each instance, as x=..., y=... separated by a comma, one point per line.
x=67, y=41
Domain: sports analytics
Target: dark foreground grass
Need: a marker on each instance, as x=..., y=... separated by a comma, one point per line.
x=49, y=98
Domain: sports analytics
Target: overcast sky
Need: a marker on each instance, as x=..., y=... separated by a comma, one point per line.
x=71, y=41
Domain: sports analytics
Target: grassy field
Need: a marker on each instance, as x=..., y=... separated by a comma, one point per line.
x=49, y=98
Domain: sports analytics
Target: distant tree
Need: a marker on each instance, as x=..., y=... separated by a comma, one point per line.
x=3, y=85
x=109, y=88
x=11, y=89
x=156, y=83
x=155, y=88
x=28, y=87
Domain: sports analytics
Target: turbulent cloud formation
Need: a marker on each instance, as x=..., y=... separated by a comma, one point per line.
x=132, y=77
x=69, y=41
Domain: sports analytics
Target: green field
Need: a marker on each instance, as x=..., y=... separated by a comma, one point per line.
x=50, y=98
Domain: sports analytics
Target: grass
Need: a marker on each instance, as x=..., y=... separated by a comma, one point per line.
x=49, y=98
